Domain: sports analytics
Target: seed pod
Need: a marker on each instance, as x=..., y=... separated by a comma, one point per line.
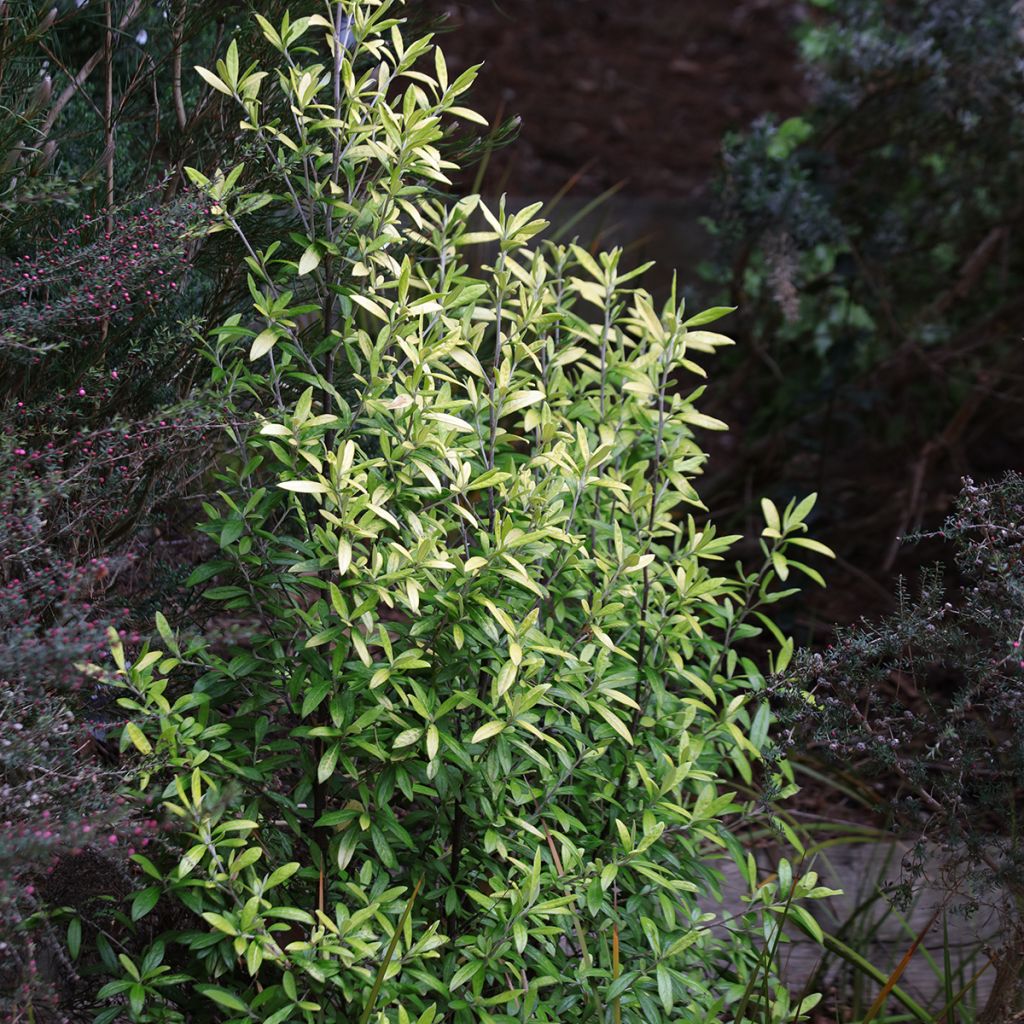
x=44, y=159
x=47, y=23
x=11, y=159
x=40, y=98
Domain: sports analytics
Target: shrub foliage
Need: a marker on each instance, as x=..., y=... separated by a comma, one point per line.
x=929, y=700
x=868, y=245
x=486, y=723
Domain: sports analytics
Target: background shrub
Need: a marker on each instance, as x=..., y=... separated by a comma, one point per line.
x=929, y=701
x=867, y=243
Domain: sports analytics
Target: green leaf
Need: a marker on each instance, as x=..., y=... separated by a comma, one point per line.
x=709, y=315
x=206, y=572
x=315, y=695
x=622, y=984
x=223, y=997
x=464, y=973
x=231, y=62
x=282, y=874
x=136, y=999
x=651, y=933
x=328, y=762
x=144, y=902
x=665, y=992
x=806, y=921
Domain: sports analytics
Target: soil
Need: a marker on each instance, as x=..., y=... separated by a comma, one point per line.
x=639, y=93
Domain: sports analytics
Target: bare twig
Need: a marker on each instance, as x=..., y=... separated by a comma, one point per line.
x=130, y=14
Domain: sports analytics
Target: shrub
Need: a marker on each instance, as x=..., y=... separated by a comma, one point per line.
x=931, y=701
x=867, y=243
x=95, y=454
x=486, y=725
x=100, y=436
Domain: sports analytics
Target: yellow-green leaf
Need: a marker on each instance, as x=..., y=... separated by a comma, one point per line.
x=455, y=422
x=521, y=399
x=303, y=486
x=614, y=721
x=212, y=80
x=344, y=555
x=485, y=732
x=262, y=343
x=221, y=923
x=309, y=261
x=138, y=738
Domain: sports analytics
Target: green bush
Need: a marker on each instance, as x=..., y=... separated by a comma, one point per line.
x=487, y=724
x=867, y=243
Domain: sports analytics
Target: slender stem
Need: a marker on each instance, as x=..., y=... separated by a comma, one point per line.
x=659, y=442
x=176, y=34
x=108, y=111
x=492, y=377
x=84, y=72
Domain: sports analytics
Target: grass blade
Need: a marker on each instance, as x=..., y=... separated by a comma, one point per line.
x=897, y=973
x=382, y=970
x=851, y=956
x=617, y=1001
